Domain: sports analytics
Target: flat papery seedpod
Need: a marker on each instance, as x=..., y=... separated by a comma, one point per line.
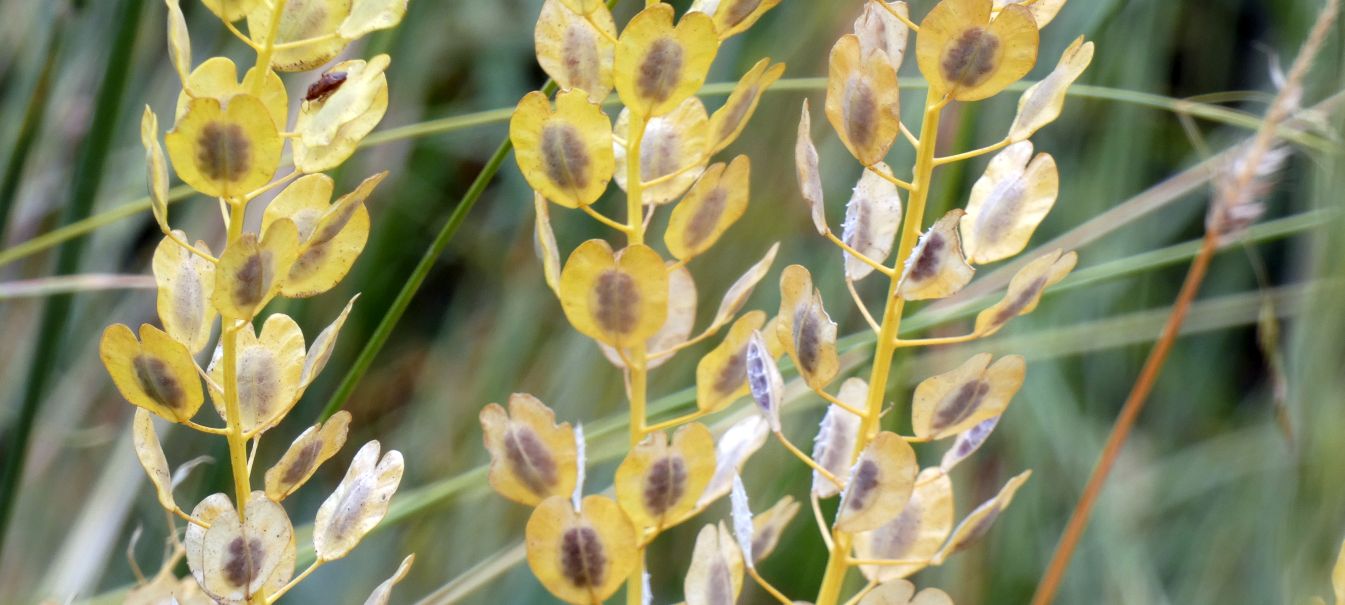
x=1042, y=102
x=976, y=524
x=968, y=442
x=232, y=10
x=872, y=218
x=310, y=449
x=269, y=372
x=1043, y=11
x=367, y=16
x=879, y=31
x=735, y=446
x=936, y=267
x=155, y=372
x=733, y=17
x=968, y=55
x=179, y=40
x=156, y=168
x=958, y=400
x=217, y=78
x=880, y=484
x=1008, y=202
x=737, y=294
x=544, y=239
x=225, y=151
x=206, y=511
x=764, y=380
x=358, y=503
x=716, y=573
x=835, y=441
x=617, y=299
x=331, y=234
x=320, y=352
x=186, y=283
x=238, y=559
x=251, y=271
x=331, y=127
x=1025, y=290
x=767, y=527
x=676, y=328
x=741, y=513
x=712, y=205
x=383, y=592
x=915, y=534
x=721, y=376
x=902, y=592
x=575, y=50
x=809, y=172
x=150, y=452
x=675, y=149
x=531, y=457
x=566, y=153
x=581, y=556
x=805, y=329
x=659, y=65
x=315, y=21
x=728, y=121
x=863, y=100
x=658, y=482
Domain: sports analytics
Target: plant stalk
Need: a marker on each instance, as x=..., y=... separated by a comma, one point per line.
x=232, y=414
x=638, y=361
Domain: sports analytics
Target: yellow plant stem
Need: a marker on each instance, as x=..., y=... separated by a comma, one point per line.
x=838, y=560
x=638, y=362
x=232, y=415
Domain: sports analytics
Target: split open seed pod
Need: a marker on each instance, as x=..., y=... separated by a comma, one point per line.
x=979, y=521
x=836, y=437
x=269, y=370
x=712, y=205
x=531, y=457
x=619, y=299
x=880, y=484
x=658, y=482
x=185, y=283
x=565, y=153
x=332, y=125
x=729, y=120
x=735, y=446
x=252, y=270
x=155, y=372
x=225, y=150
x=1008, y=202
x=716, y=573
x=358, y=503
x=958, y=400
x=576, y=49
x=721, y=376
x=969, y=54
x=581, y=556
x=872, y=218
x=1025, y=290
x=805, y=329
x=915, y=534
x=658, y=65
x=937, y=266
x=764, y=380
x=673, y=151
x=863, y=100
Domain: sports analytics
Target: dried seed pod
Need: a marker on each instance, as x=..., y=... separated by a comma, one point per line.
x=1043, y=11
x=366, y=16
x=958, y=400
x=657, y=65
x=769, y=525
x=936, y=267
x=565, y=153
x=321, y=349
x=872, y=218
x=658, y=482
x=1008, y=202
x=544, y=239
x=880, y=484
x=902, y=592
x=575, y=49
x=251, y=271
x=269, y=372
x=764, y=380
x=805, y=329
x=1025, y=290
x=676, y=328
x=238, y=559
x=531, y=457
x=331, y=234
x=584, y=7
x=317, y=20
x=156, y=168
x=1041, y=103
x=617, y=299
x=331, y=128
x=836, y=437
x=878, y=31
x=968, y=55
x=712, y=205
x=308, y=451
x=225, y=151
x=582, y=556
x=729, y=120
x=975, y=525
x=186, y=283
x=733, y=17
x=721, y=376
x=809, y=172
x=217, y=78
x=737, y=294
x=675, y=149
x=915, y=534
x=716, y=573
x=358, y=503
x=743, y=529
x=156, y=372
x=383, y=591
x=150, y=452
x=735, y=446
x=863, y=100
x=968, y=442
x=231, y=10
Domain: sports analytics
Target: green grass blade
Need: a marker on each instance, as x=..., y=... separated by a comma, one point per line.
x=34, y=115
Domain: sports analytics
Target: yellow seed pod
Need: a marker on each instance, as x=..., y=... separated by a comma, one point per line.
x=872, y=218
x=185, y=284
x=955, y=401
x=1043, y=11
x=1025, y=290
x=836, y=436
x=977, y=523
x=880, y=484
x=768, y=525
x=1008, y=202
x=676, y=328
x=657, y=65
x=714, y=203
x=902, y=592
x=967, y=55
x=617, y=299
x=729, y=120
x=269, y=370
x=232, y=10
x=915, y=534
x=225, y=151
x=577, y=51
x=331, y=126
x=308, y=451
x=566, y=153
x=967, y=443
x=721, y=376
x=358, y=503
x=207, y=511
x=150, y=452
x=156, y=372
x=544, y=239
x=316, y=20
x=737, y=294
x=805, y=329
x=331, y=235
x=881, y=32
x=863, y=103
x=733, y=17
x=658, y=482
x=367, y=16
x=809, y=172
x=383, y=592
x=251, y=271
x=1041, y=103
x=156, y=168
x=237, y=558
x=217, y=78
x=715, y=576
x=673, y=152
x=531, y=457
x=936, y=267
x=581, y=556
x=584, y=7
x=321, y=350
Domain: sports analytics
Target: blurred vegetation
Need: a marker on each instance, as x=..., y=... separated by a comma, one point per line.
x=1214, y=500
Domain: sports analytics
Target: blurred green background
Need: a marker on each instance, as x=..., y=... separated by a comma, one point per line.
x=1214, y=499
